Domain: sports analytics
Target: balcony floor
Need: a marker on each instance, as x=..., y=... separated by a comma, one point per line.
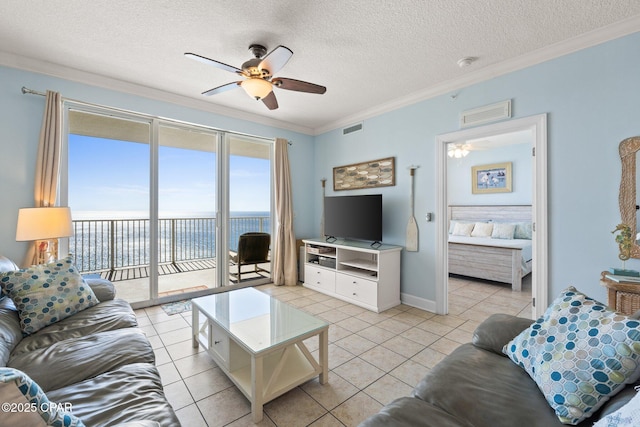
x=142, y=271
x=132, y=284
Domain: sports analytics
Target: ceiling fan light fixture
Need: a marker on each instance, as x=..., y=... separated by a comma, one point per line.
x=457, y=152
x=257, y=73
x=256, y=87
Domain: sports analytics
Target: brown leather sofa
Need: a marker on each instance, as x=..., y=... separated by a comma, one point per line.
x=97, y=361
x=478, y=386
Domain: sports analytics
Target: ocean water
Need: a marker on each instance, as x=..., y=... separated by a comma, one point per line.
x=118, y=239
x=117, y=214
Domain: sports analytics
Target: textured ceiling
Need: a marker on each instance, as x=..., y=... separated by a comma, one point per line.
x=370, y=54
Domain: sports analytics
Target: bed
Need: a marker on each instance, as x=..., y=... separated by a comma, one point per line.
x=505, y=260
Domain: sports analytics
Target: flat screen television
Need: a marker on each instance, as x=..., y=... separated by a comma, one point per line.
x=354, y=217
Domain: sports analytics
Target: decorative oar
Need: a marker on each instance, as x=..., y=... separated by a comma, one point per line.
x=323, y=181
x=412, y=226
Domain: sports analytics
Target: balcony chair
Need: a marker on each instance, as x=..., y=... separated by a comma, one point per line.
x=253, y=248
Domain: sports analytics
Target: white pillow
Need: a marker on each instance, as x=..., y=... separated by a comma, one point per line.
x=462, y=229
x=503, y=231
x=627, y=416
x=453, y=223
x=482, y=229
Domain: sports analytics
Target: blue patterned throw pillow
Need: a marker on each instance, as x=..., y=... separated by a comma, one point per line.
x=47, y=293
x=24, y=403
x=579, y=353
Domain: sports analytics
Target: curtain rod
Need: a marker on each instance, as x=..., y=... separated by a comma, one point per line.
x=27, y=91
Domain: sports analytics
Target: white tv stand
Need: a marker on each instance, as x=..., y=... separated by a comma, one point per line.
x=354, y=271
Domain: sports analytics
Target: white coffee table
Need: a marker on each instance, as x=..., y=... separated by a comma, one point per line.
x=257, y=341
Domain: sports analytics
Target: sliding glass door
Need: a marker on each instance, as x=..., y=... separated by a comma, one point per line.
x=187, y=171
x=109, y=192
x=249, y=201
x=161, y=207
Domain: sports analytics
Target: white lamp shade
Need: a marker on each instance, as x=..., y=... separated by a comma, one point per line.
x=257, y=88
x=43, y=223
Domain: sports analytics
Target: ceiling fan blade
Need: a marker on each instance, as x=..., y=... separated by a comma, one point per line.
x=213, y=62
x=221, y=89
x=298, y=85
x=270, y=101
x=276, y=59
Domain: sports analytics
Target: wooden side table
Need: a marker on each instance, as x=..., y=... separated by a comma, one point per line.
x=622, y=297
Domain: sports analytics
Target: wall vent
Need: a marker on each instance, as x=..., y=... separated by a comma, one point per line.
x=351, y=129
x=486, y=114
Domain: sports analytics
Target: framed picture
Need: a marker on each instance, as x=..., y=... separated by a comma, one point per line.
x=374, y=173
x=494, y=178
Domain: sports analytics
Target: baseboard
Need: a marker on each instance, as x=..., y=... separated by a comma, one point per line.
x=417, y=302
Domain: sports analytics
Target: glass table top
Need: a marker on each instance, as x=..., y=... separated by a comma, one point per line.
x=256, y=319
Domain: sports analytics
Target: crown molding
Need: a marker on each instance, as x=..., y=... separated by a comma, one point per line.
x=592, y=38
x=55, y=70
x=619, y=29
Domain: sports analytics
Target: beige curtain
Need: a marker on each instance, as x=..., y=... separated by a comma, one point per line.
x=284, y=248
x=48, y=161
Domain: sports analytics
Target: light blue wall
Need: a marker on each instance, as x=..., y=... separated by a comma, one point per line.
x=459, y=176
x=21, y=116
x=591, y=98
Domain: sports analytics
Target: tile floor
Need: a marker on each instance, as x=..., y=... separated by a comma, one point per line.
x=373, y=358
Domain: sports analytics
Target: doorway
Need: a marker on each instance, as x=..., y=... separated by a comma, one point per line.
x=536, y=125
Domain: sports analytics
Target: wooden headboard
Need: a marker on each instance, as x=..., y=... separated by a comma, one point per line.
x=501, y=213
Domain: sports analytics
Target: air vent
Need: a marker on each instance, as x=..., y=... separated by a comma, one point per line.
x=351, y=129
x=486, y=114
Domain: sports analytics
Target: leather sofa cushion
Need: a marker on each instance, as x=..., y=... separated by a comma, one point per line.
x=130, y=393
x=10, y=332
x=497, y=330
x=477, y=385
x=106, y=316
x=139, y=424
x=102, y=288
x=32, y=407
x=485, y=389
x=77, y=359
x=411, y=412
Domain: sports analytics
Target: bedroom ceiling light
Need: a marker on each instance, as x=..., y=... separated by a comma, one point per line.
x=457, y=151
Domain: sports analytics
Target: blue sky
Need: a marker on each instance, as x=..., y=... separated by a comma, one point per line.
x=111, y=175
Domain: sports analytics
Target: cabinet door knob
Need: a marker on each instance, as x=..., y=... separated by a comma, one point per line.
x=354, y=293
x=217, y=342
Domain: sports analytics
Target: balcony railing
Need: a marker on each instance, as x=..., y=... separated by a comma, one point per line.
x=101, y=245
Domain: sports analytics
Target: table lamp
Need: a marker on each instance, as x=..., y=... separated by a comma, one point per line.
x=44, y=226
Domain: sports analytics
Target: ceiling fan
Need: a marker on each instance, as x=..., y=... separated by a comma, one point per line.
x=258, y=73
x=459, y=150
